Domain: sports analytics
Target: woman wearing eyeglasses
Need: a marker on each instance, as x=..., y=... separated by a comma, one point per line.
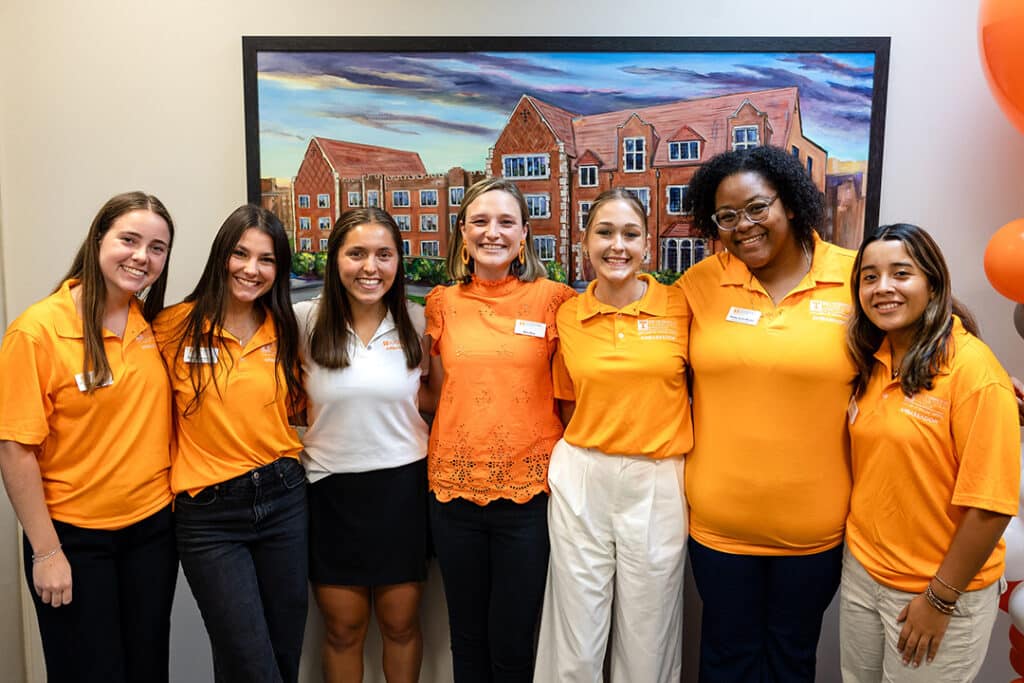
x=768, y=480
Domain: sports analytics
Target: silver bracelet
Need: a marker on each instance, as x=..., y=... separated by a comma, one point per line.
x=42, y=557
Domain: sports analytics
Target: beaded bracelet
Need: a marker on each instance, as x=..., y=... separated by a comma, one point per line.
x=938, y=603
x=946, y=585
x=42, y=557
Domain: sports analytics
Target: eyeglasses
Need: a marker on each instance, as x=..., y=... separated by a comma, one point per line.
x=756, y=211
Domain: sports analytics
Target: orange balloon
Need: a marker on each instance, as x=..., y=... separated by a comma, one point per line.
x=1000, y=41
x=1004, y=260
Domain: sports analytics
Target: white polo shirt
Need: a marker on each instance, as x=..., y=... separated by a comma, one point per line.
x=364, y=417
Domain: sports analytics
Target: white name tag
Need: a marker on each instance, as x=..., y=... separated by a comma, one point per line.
x=203, y=354
x=80, y=381
x=852, y=410
x=531, y=328
x=746, y=316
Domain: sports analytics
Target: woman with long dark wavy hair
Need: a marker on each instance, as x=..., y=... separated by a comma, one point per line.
x=231, y=349
x=84, y=448
x=935, y=453
x=365, y=449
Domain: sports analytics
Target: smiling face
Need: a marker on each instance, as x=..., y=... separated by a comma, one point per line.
x=616, y=242
x=133, y=252
x=894, y=290
x=493, y=231
x=758, y=245
x=367, y=264
x=252, y=267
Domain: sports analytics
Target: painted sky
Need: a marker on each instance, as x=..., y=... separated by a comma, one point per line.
x=451, y=107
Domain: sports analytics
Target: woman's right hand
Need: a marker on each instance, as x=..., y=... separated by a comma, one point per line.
x=51, y=579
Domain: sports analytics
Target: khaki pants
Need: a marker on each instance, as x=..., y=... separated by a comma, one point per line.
x=868, y=632
x=618, y=528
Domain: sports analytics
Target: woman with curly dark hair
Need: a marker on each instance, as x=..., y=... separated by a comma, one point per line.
x=768, y=480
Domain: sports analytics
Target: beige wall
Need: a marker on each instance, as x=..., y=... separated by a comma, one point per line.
x=102, y=96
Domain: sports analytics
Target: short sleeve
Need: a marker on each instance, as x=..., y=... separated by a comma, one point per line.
x=435, y=318
x=559, y=295
x=25, y=404
x=986, y=436
x=561, y=381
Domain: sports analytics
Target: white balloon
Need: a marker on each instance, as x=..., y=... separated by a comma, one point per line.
x=1015, y=607
x=1014, y=537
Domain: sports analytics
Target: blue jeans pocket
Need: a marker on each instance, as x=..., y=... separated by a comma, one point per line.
x=293, y=474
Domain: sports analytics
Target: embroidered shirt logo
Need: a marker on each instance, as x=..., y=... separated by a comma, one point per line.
x=391, y=345
x=830, y=311
x=930, y=409
x=657, y=329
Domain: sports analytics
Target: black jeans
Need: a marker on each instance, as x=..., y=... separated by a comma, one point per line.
x=243, y=549
x=762, y=614
x=117, y=627
x=494, y=562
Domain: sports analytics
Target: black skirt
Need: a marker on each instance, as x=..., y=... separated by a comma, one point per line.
x=369, y=528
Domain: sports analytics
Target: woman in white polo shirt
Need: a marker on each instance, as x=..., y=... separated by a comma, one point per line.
x=365, y=448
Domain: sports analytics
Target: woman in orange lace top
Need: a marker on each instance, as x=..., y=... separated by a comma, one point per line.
x=492, y=337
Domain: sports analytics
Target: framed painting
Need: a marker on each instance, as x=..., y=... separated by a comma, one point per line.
x=407, y=123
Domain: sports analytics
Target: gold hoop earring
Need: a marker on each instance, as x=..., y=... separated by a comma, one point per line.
x=522, y=252
x=465, y=255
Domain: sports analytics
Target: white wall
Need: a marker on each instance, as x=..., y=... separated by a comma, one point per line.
x=103, y=96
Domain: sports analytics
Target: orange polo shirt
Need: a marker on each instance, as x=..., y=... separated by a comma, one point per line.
x=769, y=471
x=626, y=370
x=241, y=427
x=104, y=457
x=919, y=461
x=496, y=419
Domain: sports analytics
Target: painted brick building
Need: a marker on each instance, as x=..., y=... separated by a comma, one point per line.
x=562, y=161
x=336, y=175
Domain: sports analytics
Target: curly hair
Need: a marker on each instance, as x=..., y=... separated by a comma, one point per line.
x=786, y=174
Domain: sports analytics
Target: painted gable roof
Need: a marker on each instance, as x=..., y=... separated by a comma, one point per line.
x=707, y=117
x=353, y=159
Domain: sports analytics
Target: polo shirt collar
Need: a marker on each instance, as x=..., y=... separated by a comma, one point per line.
x=824, y=270
x=69, y=322
x=386, y=326
x=654, y=302
x=884, y=353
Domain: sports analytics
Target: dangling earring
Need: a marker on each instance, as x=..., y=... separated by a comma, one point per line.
x=465, y=255
x=522, y=252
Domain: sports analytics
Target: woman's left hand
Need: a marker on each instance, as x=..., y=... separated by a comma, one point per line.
x=923, y=629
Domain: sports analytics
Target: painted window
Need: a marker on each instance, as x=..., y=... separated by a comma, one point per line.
x=525, y=165
x=323, y=223
x=679, y=254
x=810, y=165
x=633, y=154
x=684, y=151
x=323, y=201
x=795, y=151
x=428, y=222
x=400, y=198
x=429, y=248
x=428, y=197
x=452, y=220
x=675, y=194
x=402, y=221
x=745, y=137
x=588, y=176
x=305, y=243
x=455, y=195
x=644, y=195
x=405, y=247
x=323, y=244
x=304, y=223
x=544, y=245
x=538, y=205
x=584, y=214
x=303, y=201
x=373, y=198
x=355, y=199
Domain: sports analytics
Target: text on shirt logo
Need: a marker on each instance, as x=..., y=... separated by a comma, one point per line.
x=830, y=311
x=657, y=329
x=930, y=409
x=391, y=345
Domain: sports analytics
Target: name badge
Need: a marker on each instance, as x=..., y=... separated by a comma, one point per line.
x=203, y=354
x=746, y=316
x=531, y=328
x=852, y=410
x=80, y=381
